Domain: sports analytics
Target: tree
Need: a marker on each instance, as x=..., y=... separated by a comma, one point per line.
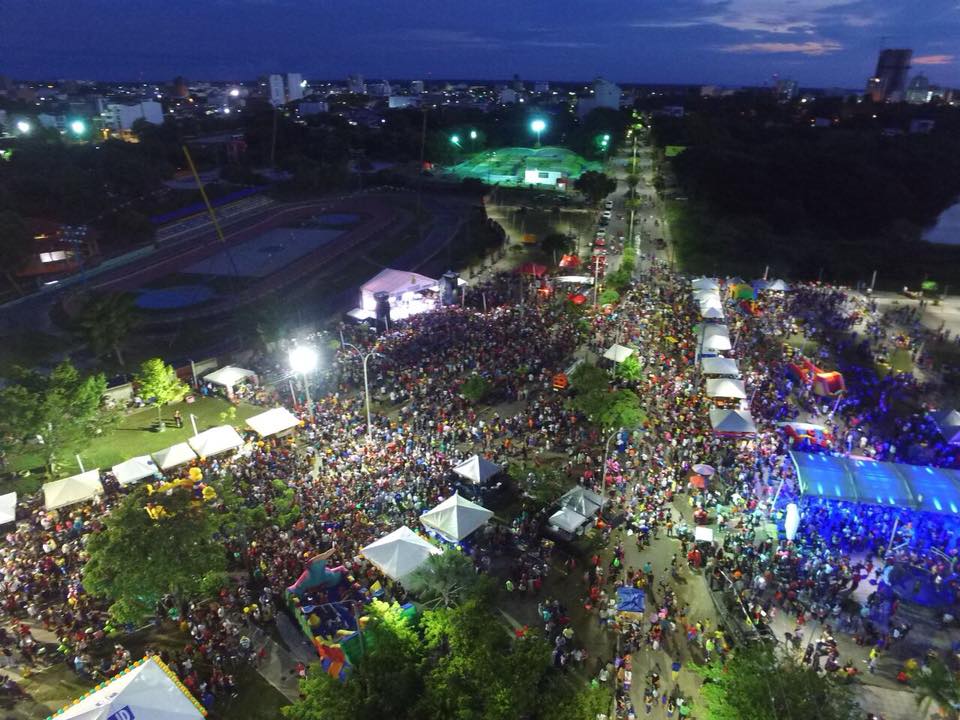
x=758, y=683
x=937, y=684
x=106, y=321
x=630, y=369
x=556, y=243
x=446, y=580
x=14, y=245
x=62, y=409
x=475, y=388
x=137, y=559
x=158, y=381
x=384, y=683
x=594, y=186
x=609, y=297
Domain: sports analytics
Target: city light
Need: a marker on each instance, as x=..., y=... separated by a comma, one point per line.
x=303, y=359
x=78, y=127
x=473, y=134
x=24, y=127
x=455, y=139
x=235, y=92
x=538, y=126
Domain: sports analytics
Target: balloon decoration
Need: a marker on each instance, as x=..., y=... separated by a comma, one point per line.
x=792, y=521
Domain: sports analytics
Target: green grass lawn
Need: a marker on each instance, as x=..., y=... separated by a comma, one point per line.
x=133, y=436
x=898, y=362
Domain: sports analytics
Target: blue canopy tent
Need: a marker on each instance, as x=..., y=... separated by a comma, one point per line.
x=937, y=489
x=630, y=602
x=824, y=476
x=881, y=483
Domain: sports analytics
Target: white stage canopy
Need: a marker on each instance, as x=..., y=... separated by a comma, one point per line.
x=948, y=423
x=477, y=469
x=135, y=469
x=719, y=366
x=216, y=440
x=72, y=490
x=726, y=388
x=732, y=422
x=179, y=454
x=456, y=517
x=568, y=520
x=618, y=353
x=704, y=283
x=711, y=312
x=586, y=502
x=399, y=553
x=8, y=508
x=273, y=421
x=778, y=286
x=146, y=690
x=229, y=376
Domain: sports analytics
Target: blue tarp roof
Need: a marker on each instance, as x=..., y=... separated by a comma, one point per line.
x=630, y=600
x=919, y=487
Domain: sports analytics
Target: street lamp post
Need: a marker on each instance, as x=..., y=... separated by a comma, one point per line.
x=364, y=357
x=538, y=126
x=303, y=359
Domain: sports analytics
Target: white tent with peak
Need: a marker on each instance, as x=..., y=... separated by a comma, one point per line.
x=135, y=469
x=719, y=366
x=146, y=690
x=273, y=421
x=726, y=388
x=455, y=518
x=732, y=422
x=477, y=469
x=229, y=376
x=399, y=553
x=618, y=353
x=171, y=457
x=72, y=490
x=8, y=508
x=216, y=440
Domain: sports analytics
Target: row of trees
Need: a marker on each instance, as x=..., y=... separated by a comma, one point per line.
x=456, y=659
x=55, y=414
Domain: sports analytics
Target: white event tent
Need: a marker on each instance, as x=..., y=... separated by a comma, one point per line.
x=719, y=366
x=711, y=312
x=8, y=508
x=732, y=422
x=948, y=423
x=399, y=553
x=135, y=469
x=273, y=421
x=216, y=440
x=704, y=283
x=72, y=490
x=455, y=518
x=585, y=502
x=568, y=520
x=726, y=388
x=229, y=377
x=179, y=454
x=147, y=689
x=618, y=353
x=477, y=469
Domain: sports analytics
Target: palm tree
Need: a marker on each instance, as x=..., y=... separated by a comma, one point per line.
x=938, y=684
x=106, y=321
x=446, y=580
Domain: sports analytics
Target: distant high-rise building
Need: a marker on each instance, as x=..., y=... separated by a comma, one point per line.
x=508, y=96
x=919, y=91
x=606, y=94
x=356, y=85
x=890, y=78
x=416, y=87
x=785, y=89
x=278, y=94
x=180, y=88
x=380, y=89
x=295, y=86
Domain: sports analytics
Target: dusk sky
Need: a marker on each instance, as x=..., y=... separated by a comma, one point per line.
x=816, y=42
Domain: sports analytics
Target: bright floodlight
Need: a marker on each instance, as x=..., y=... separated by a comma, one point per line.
x=538, y=126
x=78, y=127
x=303, y=359
x=606, y=138
x=24, y=127
x=235, y=92
x=455, y=139
x=473, y=134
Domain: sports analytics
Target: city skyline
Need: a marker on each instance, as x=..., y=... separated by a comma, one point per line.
x=819, y=43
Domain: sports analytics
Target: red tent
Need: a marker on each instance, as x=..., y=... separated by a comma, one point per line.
x=569, y=261
x=577, y=298
x=534, y=269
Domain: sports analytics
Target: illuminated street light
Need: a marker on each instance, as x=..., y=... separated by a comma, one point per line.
x=473, y=134
x=606, y=138
x=24, y=127
x=538, y=126
x=455, y=139
x=235, y=92
x=78, y=127
x=303, y=359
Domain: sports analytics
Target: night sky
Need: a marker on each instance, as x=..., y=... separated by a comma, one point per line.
x=817, y=42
